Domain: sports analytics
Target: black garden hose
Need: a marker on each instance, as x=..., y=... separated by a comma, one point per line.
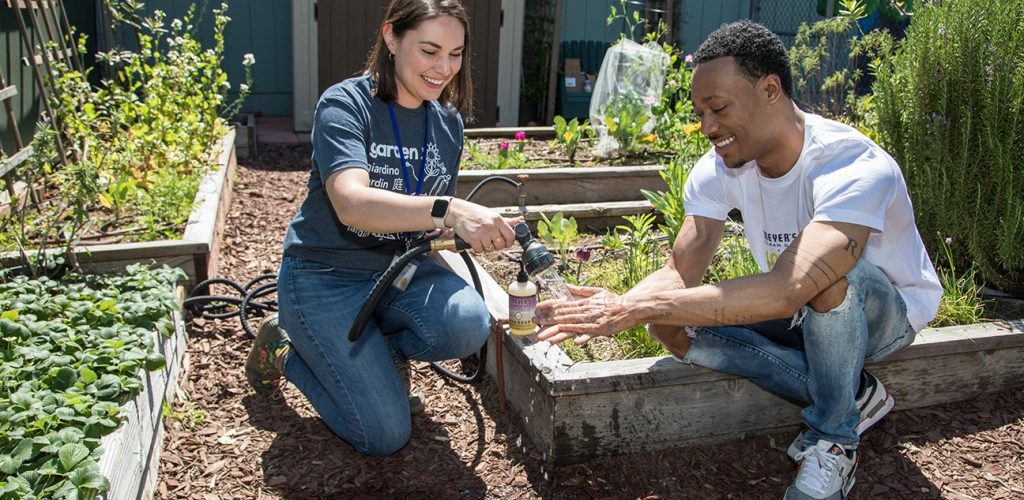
x=202, y=304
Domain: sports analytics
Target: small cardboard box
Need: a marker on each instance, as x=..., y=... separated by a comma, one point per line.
x=573, y=75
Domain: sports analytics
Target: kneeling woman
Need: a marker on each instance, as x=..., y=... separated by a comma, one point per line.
x=386, y=149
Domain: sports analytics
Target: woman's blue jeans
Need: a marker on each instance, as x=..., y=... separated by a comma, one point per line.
x=817, y=362
x=355, y=386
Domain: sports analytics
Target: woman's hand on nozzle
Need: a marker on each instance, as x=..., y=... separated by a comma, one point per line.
x=484, y=229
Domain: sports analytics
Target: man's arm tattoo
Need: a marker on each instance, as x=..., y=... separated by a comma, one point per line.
x=851, y=246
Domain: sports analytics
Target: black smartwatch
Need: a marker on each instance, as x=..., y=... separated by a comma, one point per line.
x=439, y=211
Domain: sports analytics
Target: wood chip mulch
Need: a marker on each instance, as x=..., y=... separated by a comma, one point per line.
x=225, y=441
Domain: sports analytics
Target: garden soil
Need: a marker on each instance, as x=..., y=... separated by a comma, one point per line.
x=225, y=441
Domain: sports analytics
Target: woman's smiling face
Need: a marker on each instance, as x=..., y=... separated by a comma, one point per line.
x=427, y=58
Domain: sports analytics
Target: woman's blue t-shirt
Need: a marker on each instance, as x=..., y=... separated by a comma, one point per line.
x=352, y=129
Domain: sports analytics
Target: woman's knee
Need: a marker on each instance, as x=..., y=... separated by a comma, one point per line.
x=467, y=319
x=385, y=437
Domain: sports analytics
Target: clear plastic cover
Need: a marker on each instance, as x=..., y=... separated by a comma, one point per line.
x=629, y=84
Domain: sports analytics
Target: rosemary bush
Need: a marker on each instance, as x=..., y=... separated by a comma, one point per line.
x=950, y=104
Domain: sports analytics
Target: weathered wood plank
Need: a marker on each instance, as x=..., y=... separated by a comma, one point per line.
x=26, y=4
x=14, y=160
x=509, y=132
x=523, y=390
x=8, y=91
x=206, y=223
x=593, y=409
x=564, y=185
x=132, y=452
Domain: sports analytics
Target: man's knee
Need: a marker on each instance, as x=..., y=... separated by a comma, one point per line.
x=831, y=297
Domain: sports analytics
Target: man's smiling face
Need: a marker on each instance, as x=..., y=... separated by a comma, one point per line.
x=732, y=110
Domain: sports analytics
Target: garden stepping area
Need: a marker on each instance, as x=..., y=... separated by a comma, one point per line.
x=225, y=441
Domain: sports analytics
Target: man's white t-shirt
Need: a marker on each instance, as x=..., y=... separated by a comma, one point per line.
x=841, y=176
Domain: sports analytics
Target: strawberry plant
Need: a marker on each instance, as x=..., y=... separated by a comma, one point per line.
x=71, y=351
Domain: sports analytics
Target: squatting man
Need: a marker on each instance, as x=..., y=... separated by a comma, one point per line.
x=844, y=274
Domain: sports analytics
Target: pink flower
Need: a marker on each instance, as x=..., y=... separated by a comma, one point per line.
x=520, y=136
x=503, y=145
x=649, y=100
x=688, y=59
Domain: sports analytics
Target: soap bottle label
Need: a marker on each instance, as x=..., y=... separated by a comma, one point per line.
x=520, y=314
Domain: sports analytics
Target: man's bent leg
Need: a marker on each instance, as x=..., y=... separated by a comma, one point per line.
x=870, y=319
x=740, y=350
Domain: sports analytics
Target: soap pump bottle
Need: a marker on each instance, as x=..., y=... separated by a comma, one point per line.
x=522, y=301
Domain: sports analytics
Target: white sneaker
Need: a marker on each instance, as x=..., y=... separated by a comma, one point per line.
x=826, y=472
x=873, y=401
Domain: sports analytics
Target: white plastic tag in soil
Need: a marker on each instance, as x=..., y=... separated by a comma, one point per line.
x=629, y=84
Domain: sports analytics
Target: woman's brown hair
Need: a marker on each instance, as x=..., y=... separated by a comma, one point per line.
x=405, y=15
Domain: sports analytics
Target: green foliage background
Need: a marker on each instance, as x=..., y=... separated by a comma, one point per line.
x=950, y=105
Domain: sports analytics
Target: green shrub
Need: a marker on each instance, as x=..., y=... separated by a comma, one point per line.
x=950, y=104
x=139, y=143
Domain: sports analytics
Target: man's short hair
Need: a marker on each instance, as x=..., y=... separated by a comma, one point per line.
x=757, y=51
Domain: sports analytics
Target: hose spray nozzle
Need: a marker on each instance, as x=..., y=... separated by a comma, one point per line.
x=536, y=256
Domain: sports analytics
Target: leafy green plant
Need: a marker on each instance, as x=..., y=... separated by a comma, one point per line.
x=950, y=104
x=157, y=118
x=568, y=135
x=670, y=203
x=961, y=302
x=560, y=231
x=827, y=85
x=733, y=259
x=644, y=255
x=71, y=353
x=625, y=118
x=508, y=155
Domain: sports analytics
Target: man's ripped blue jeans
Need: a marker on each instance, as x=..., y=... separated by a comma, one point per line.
x=355, y=386
x=817, y=362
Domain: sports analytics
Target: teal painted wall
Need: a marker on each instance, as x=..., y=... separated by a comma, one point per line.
x=27, y=103
x=700, y=18
x=586, y=19
x=260, y=27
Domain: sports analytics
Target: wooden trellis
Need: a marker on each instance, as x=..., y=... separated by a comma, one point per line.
x=49, y=28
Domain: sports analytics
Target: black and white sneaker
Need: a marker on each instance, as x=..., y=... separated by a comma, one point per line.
x=873, y=401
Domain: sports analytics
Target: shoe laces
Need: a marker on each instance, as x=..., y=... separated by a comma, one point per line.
x=817, y=466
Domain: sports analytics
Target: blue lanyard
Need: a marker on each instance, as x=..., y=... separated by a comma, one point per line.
x=401, y=152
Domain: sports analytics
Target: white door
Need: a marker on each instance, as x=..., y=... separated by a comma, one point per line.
x=510, y=57
x=304, y=70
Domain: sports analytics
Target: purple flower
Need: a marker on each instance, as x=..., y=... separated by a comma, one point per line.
x=949, y=241
x=583, y=254
x=503, y=145
x=520, y=136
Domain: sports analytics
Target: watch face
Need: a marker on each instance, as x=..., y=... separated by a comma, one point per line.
x=440, y=208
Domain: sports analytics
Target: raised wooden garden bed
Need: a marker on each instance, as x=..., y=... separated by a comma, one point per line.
x=597, y=197
x=198, y=250
x=576, y=411
x=131, y=454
